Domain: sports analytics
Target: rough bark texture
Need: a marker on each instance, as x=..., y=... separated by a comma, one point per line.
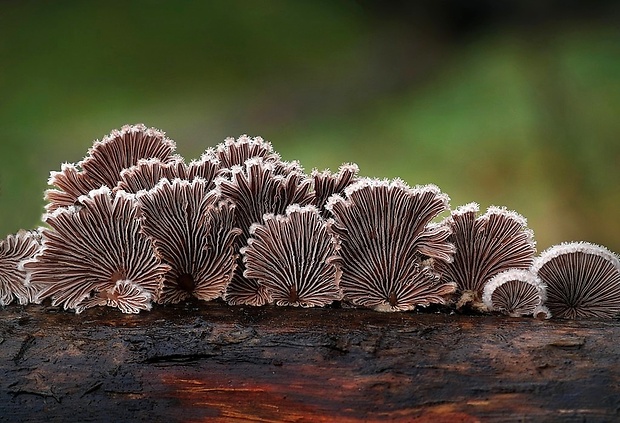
x=216, y=363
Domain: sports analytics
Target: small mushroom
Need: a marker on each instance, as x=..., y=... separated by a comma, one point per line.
x=148, y=172
x=293, y=257
x=15, y=249
x=126, y=295
x=256, y=189
x=583, y=280
x=192, y=232
x=104, y=162
x=89, y=248
x=235, y=152
x=387, y=245
x=515, y=292
x=325, y=184
x=485, y=245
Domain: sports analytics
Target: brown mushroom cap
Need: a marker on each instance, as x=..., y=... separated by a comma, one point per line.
x=386, y=242
x=89, y=248
x=15, y=249
x=192, y=232
x=292, y=255
x=583, y=280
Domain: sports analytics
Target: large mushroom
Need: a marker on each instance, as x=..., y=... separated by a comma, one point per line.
x=89, y=248
x=388, y=245
x=294, y=257
x=104, y=162
x=583, y=280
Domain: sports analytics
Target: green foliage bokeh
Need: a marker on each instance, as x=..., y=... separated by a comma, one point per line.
x=508, y=116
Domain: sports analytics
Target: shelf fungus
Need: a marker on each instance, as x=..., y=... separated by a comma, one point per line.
x=104, y=162
x=15, y=249
x=388, y=246
x=89, y=248
x=583, y=280
x=258, y=188
x=325, y=184
x=486, y=245
x=148, y=172
x=516, y=292
x=193, y=232
x=293, y=257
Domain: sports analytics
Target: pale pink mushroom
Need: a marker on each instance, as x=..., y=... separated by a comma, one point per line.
x=15, y=249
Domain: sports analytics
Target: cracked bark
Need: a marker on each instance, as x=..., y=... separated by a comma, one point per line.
x=212, y=362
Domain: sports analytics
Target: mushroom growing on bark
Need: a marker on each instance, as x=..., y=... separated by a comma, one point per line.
x=293, y=257
x=104, y=162
x=516, y=292
x=387, y=244
x=194, y=233
x=89, y=249
x=257, y=188
x=326, y=184
x=498, y=240
x=13, y=251
x=583, y=280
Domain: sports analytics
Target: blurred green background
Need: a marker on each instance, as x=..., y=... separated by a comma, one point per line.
x=505, y=103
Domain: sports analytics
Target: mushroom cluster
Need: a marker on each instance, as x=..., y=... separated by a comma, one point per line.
x=133, y=224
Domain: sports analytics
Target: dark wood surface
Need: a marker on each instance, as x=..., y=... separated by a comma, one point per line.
x=212, y=362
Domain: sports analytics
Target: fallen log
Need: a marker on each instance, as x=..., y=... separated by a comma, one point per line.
x=212, y=362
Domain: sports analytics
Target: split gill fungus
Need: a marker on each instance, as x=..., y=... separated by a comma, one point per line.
x=133, y=224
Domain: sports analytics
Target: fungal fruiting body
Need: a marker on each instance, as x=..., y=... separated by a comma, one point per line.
x=516, y=292
x=487, y=245
x=293, y=257
x=325, y=184
x=147, y=173
x=387, y=243
x=195, y=235
x=583, y=280
x=92, y=246
x=235, y=152
x=15, y=249
x=104, y=162
x=258, y=188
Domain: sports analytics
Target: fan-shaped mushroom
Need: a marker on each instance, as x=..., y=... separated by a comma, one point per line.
x=387, y=243
x=257, y=189
x=583, y=280
x=192, y=232
x=104, y=162
x=498, y=240
x=89, y=248
x=13, y=251
x=292, y=255
x=515, y=292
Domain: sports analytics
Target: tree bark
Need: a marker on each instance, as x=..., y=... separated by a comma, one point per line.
x=212, y=362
